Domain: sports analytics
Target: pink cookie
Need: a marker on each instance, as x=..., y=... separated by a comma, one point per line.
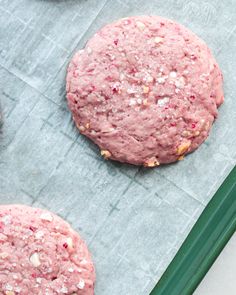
x=41, y=254
x=145, y=89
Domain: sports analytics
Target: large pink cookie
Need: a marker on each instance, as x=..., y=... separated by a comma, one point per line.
x=40, y=254
x=145, y=89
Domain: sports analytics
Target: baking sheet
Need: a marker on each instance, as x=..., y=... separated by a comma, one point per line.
x=134, y=220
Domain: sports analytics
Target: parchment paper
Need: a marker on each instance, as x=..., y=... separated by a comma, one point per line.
x=134, y=220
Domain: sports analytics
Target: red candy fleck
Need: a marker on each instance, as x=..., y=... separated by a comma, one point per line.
x=193, y=125
x=173, y=124
x=33, y=229
x=34, y=275
x=132, y=71
x=193, y=57
x=116, y=41
x=65, y=245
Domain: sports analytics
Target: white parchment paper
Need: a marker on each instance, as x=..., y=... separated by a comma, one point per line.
x=134, y=220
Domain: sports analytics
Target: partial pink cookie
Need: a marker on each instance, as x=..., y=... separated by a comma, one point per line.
x=145, y=89
x=41, y=254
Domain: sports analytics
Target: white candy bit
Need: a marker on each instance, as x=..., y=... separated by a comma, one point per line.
x=180, y=83
x=69, y=242
x=139, y=101
x=3, y=237
x=6, y=219
x=132, y=102
x=140, y=25
x=8, y=287
x=81, y=284
x=177, y=90
x=89, y=50
x=93, y=132
x=131, y=91
x=39, y=234
x=83, y=261
x=34, y=259
x=163, y=101
x=17, y=289
x=39, y=280
x=161, y=80
x=158, y=40
x=64, y=290
x=173, y=74
x=10, y=293
x=122, y=76
x=46, y=216
x=148, y=79
x=4, y=255
x=70, y=269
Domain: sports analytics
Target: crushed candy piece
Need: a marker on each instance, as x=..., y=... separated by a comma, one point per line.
x=161, y=80
x=64, y=290
x=152, y=162
x=140, y=25
x=81, y=128
x=183, y=147
x=3, y=237
x=145, y=89
x=145, y=102
x=173, y=74
x=39, y=234
x=34, y=259
x=70, y=243
x=181, y=158
x=158, y=40
x=148, y=79
x=87, y=125
x=6, y=219
x=132, y=102
x=4, y=255
x=39, y=280
x=46, y=216
x=89, y=50
x=161, y=102
x=186, y=133
x=180, y=83
x=106, y=154
x=81, y=284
